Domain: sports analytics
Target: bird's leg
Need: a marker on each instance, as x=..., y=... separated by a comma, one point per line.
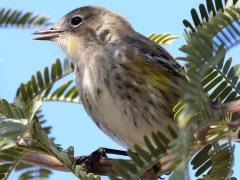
x=90, y=162
x=113, y=151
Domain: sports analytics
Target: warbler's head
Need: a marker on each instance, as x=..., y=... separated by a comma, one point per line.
x=86, y=27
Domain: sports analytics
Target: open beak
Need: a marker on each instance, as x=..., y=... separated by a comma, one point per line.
x=50, y=34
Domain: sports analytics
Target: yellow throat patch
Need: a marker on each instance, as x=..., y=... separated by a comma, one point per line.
x=72, y=44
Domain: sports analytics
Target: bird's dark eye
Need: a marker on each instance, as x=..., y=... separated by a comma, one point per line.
x=76, y=21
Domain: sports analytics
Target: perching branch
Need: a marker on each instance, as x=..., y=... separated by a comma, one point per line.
x=103, y=166
x=43, y=160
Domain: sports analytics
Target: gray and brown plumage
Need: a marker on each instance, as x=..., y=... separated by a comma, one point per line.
x=127, y=83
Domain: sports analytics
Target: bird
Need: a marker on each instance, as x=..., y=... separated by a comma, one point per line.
x=127, y=83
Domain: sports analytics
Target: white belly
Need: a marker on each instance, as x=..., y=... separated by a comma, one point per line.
x=117, y=122
x=108, y=114
x=125, y=119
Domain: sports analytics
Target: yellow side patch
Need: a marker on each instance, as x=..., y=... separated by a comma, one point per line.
x=155, y=76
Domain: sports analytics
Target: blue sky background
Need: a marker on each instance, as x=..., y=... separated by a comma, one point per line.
x=20, y=57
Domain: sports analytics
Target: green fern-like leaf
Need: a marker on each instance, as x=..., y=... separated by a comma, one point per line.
x=16, y=18
x=144, y=159
x=222, y=156
x=66, y=156
x=11, y=154
x=32, y=172
x=222, y=81
x=202, y=161
x=35, y=174
x=67, y=92
x=206, y=51
x=42, y=121
x=10, y=157
x=29, y=171
x=41, y=138
x=164, y=38
x=211, y=161
x=12, y=124
x=41, y=83
x=207, y=12
x=82, y=174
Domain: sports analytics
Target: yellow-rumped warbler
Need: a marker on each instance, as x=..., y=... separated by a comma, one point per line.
x=127, y=83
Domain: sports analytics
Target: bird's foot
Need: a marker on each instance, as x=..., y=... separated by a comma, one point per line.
x=90, y=162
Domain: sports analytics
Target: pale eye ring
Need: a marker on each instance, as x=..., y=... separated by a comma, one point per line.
x=76, y=21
